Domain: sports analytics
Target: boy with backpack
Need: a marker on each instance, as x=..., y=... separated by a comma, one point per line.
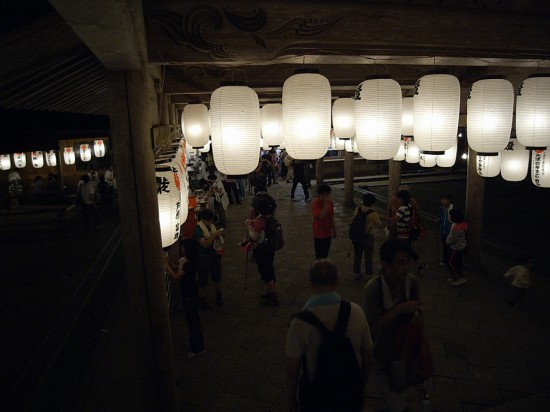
x=361, y=232
x=328, y=348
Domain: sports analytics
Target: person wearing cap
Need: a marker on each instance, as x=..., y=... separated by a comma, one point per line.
x=391, y=301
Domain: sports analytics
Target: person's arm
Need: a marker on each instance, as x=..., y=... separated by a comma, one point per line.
x=292, y=378
x=206, y=243
x=173, y=273
x=387, y=319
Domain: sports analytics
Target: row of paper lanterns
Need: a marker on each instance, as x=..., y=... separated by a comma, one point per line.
x=376, y=118
x=50, y=157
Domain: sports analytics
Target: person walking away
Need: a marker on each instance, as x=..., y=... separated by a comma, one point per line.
x=209, y=262
x=328, y=349
x=391, y=302
x=298, y=167
x=520, y=275
x=366, y=245
x=260, y=192
x=444, y=226
x=324, y=228
x=264, y=255
x=185, y=275
x=87, y=194
x=457, y=243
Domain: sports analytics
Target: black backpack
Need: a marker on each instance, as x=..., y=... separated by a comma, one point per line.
x=273, y=234
x=357, y=227
x=338, y=382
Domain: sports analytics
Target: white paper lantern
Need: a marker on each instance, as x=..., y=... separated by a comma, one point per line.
x=378, y=115
x=449, y=158
x=515, y=161
x=235, y=128
x=51, y=158
x=37, y=158
x=436, y=111
x=401, y=152
x=343, y=118
x=99, y=148
x=488, y=166
x=271, y=116
x=85, y=152
x=306, y=115
x=20, y=160
x=490, y=111
x=407, y=117
x=533, y=112
x=182, y=179
x=412, y=152
x=195, y=124
x=427, y=160
x=206, y=147
x=169, y=202
x=69, y=155
x=540, y=168
x=5, y=162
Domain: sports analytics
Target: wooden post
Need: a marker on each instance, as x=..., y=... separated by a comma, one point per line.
x=348, y=179
x=394, y=178
x=475, y=189
x=320, y=171
x=134, y=162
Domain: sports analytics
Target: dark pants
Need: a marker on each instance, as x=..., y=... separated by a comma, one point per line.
x=446, y=248
x=190, y=308
x=89, y=213
x=302, y=181
x=365, y=247
x=455, y=263
x=264, y=260
x=322, y=246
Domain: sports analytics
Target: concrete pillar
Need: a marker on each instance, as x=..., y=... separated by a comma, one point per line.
x=320, y=171
x=394, y=178
x=348, y=179
x=475, y=193
x=131, y=123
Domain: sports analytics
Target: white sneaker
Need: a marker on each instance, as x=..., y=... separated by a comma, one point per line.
x=191, y=355
x=459, y=282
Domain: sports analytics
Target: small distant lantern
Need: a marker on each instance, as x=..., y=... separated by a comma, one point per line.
x=540, y=168
x=427, y=160
x=20, y=160
x=533, y=113
x=85, y=153
x=306, y=115
x=449, y=158
x=401, y=152
x=99, y=148
x=37, y=159
x=490, y=112
x=51, y=158
x=235, y=128
x=169, y=203
x=412, y=152
x=195, y=124
x=407, y=117
x=488, y=166
x=343, y=118
x=515, y=161
x=69, y=155
x=436, y=111
x=378, y=113
x=271, y=117
x=5, y=162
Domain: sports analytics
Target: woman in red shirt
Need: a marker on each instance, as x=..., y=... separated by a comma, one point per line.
x=324, y=228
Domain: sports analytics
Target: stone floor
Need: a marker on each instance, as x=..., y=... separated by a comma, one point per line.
x=487, y=353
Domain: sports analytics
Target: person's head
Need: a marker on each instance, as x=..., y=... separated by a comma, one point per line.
x=446, y=200
x=323, y=274
x=368, y=199
x=395, y=255
x=263, y=207
x=207, y=216
x=404, y=196
x=260, y=186
x=404, y=187
x=212, y=177
x=456, y=215
x=324, y=191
